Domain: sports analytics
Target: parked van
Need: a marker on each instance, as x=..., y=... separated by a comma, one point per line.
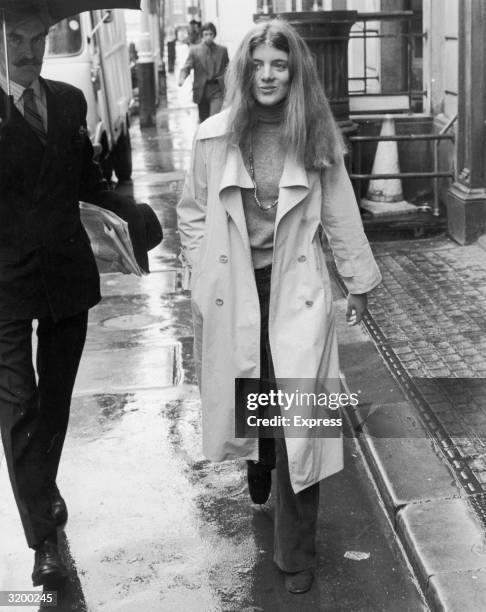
x=90, y=51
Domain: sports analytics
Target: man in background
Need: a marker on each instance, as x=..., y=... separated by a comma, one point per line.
x=170, y=37
x=193, y=33
x=209, y=62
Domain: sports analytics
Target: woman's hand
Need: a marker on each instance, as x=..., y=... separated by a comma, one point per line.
x=357, y=303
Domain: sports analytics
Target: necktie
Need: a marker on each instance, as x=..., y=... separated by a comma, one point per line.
x=32, y=116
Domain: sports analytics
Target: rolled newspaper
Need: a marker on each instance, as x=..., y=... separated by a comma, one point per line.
x=110, y=240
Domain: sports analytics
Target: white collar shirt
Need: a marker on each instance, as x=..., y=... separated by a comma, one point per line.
x=17, y=92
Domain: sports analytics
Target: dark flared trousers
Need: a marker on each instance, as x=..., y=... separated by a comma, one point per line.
x=295, y=513
x=34, y=414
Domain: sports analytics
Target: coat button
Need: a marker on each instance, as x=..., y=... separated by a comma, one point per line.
x=219, y=302
x=302, y=258
x=223, y=259
x=309, y=303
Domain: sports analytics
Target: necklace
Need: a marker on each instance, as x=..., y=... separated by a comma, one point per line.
x=255, y=188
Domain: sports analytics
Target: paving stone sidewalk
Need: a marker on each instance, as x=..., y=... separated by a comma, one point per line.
x=431, y=312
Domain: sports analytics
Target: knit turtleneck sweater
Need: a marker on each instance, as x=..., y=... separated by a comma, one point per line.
x=268, y=162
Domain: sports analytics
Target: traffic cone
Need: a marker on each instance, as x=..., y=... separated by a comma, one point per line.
x=385, y=196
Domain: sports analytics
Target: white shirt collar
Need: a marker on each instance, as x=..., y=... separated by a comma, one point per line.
x=18, y=90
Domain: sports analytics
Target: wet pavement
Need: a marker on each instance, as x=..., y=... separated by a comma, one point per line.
x=153, y=526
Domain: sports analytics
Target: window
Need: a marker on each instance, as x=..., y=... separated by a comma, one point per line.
x=385, y=57
x=65, y=38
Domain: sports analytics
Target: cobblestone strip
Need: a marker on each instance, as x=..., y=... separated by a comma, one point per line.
x=431, y=314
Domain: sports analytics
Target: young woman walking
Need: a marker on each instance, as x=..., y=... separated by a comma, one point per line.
x=267, y=178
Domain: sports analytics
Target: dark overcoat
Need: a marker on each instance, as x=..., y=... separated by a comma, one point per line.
x=209, y=66
x=46, y=263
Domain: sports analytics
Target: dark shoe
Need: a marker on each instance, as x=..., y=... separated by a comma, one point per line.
x=49, y=570
x=58, y=507
x=300, y=582
x=259, y=481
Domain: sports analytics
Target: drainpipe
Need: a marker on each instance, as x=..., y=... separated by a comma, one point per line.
x=146, y=70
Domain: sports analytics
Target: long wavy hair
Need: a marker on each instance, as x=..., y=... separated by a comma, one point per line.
x=309, y=127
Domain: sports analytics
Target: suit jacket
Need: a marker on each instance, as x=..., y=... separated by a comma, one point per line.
x=209, y=66
x=46, y=263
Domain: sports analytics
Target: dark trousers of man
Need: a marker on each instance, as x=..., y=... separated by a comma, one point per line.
x=171, y=54
x=295, y=514
x=209, y=105
x=34, y=415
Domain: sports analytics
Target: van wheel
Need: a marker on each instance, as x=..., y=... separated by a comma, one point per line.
x=122, y=157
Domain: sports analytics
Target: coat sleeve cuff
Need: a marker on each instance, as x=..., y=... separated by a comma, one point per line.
x=360, y=274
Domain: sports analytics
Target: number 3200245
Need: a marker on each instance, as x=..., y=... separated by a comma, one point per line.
x=33, y=598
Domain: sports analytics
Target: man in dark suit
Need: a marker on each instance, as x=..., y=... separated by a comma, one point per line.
x=47, y=272
x=209, y=62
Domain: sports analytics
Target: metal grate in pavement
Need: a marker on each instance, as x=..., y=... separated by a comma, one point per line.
x=478, y=503
x=457, y=460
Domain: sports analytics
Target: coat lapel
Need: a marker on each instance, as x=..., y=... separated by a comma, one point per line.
x=19, y=144
x=293, y=186
x=218, y=57
x=54, y=123
x=235, y=177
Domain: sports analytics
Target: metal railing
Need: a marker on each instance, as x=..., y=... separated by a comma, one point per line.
x=357, y=177
x=367, y=34
x=403, y=98
x=269, y=6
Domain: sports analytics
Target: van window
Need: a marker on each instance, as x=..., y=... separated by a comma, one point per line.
x=65, y=38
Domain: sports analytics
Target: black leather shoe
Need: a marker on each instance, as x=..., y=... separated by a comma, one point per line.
x=49, y=570
x=300, y=582
x=58, y=507
x=259, y=481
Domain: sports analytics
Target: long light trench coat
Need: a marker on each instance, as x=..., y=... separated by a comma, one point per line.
x=225, y=302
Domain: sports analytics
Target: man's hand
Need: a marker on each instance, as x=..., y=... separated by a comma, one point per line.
x=357, y=303
x=181, y=80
